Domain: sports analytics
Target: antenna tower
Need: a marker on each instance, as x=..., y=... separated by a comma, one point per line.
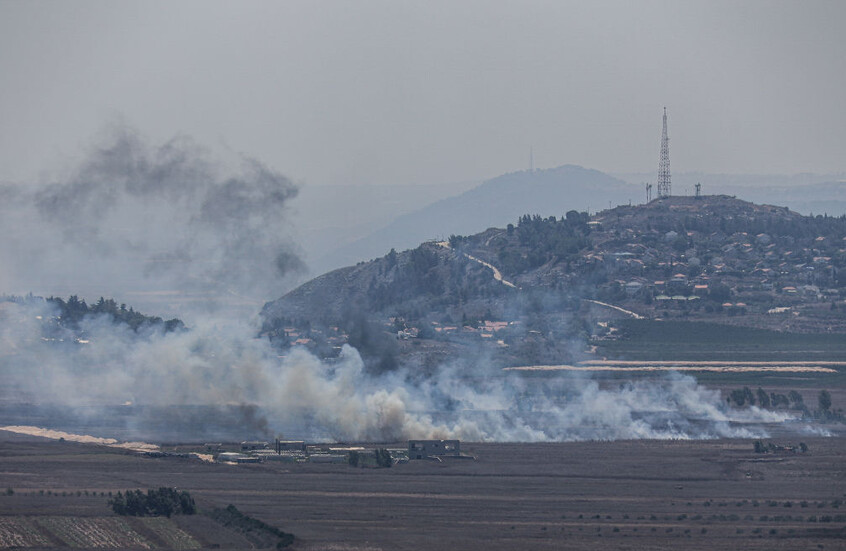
x=664, y=164
x=648, y=192
x=698, y=190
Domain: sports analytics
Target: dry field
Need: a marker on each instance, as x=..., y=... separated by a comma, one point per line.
x=599, y=495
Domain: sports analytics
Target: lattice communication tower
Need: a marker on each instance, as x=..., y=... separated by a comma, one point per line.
x=664, y=185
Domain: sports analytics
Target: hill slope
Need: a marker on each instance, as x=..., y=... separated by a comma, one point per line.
x=539, y=290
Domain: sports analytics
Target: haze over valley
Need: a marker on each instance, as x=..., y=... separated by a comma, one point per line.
x=380, y=275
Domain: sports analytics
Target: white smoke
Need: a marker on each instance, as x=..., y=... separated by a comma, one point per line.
x=220, y=363
x=167, y=219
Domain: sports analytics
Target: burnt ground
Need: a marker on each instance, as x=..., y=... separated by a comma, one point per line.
x=635, y=495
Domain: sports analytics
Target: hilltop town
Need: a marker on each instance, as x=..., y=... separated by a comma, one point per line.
x=540, y=289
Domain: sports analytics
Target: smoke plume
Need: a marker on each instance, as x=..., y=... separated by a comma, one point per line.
x=166, y=219
x=222, y=367
x=152, y=219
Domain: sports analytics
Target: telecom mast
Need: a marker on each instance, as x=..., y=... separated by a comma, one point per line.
x=664, y=164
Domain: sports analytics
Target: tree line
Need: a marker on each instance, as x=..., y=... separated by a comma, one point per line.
x=792, y=400
x=161, y=502
x=73, y=310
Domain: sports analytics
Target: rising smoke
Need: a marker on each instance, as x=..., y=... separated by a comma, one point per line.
x=166, y=217
x=222, y=366
x=155, y=218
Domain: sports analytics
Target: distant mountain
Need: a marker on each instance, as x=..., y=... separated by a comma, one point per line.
x=494, y=203
x=328, y=217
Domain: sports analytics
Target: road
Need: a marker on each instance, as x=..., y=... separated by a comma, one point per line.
x=496, y=273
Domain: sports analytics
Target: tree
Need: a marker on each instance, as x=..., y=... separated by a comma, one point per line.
x=383, y=457
x=719, y=293
x=763, y=398
x=749, y=396
x=392, y=258
x=824, y=400
x=164, y=501
x=353, y=458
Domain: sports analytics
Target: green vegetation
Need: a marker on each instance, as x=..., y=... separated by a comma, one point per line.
x=742, y=397
x=72, y=311
x=353, y=458
x=383, y=457
x=717, y=261
x=543, y=240
x=161, y=502
x=692, y=340
x=258, y=532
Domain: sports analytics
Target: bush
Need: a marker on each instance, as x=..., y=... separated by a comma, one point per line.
x=253, y=528
x=353, y=458
x=161, y=502
x=383, y=457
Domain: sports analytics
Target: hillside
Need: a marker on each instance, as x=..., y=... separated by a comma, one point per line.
x=804, y=193
x=563, y=281
x=493, y=203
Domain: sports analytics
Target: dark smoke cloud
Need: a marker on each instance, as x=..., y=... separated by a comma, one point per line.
x=166, y=217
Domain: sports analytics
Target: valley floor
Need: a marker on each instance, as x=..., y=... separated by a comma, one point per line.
x=636, y=495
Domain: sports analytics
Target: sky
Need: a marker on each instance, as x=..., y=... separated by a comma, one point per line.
x=390, y=93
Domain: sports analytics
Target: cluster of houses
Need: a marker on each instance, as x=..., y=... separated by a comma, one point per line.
x=733, y=271
x=333, y=337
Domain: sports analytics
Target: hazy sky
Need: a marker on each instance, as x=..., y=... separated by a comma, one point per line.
x=423, y=92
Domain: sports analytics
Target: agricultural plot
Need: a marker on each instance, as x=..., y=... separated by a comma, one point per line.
x=91, y=533
x=638, y=495
x=94, y=532
x=20, y=532
x=172, y=536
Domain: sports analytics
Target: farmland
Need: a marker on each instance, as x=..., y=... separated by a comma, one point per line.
x=581, y=495
x=93, y=532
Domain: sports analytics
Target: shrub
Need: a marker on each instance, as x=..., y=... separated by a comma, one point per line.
x=383, y=457
x=353, y=458
x=161, y=502
x=232, y=518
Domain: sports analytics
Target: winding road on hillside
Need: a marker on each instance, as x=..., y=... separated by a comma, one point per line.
x=635, y=315
x=496, y=273
x=498, y=276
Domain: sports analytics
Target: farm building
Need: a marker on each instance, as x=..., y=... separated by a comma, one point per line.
x=232, y=457
x=423, y=449
x=290, y=446
x=254, y=445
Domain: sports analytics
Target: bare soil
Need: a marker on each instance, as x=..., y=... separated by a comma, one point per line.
x=636, y=495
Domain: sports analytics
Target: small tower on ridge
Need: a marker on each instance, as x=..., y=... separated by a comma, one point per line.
x=664, y=184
